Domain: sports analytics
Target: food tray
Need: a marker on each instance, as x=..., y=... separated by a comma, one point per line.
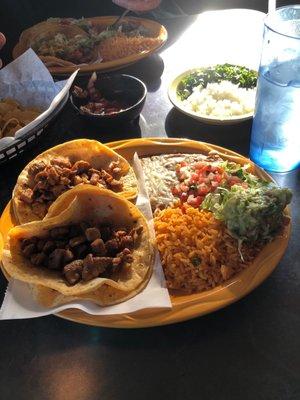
x=184, y=307
x=18, y=146
x=119, y=63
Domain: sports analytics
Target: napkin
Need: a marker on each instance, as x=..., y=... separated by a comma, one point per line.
x=19, y=303
x=28, y=81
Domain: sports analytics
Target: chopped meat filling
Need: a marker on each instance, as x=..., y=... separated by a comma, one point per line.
x=73, y=271
x=98, y=247
x=59, y=175
x=27, y=196
x=92, y=234
x=82, y=252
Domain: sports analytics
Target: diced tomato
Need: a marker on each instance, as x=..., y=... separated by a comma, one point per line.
x=194, y=201
x=214, y=184
x=191, y=200
x=175, y=191
x=207, y=168
x=218, y=178
x=184, y=187
x=203, y=190
x=215, y=168
x=199, y=165
x=184, y=197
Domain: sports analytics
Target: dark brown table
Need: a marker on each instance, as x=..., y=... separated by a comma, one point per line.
x=247, y=351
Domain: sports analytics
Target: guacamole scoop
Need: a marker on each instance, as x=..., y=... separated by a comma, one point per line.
x=251, y=214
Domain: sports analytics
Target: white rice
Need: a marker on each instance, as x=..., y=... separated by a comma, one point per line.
x=223, y=99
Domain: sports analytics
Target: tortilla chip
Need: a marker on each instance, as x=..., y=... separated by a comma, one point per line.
x=14, y=116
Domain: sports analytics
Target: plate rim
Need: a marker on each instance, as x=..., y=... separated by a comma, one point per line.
x=192, y=308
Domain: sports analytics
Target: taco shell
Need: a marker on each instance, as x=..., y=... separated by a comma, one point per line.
x=92, y=151
x=95, y=206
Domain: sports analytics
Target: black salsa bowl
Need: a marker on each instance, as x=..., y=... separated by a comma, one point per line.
x=127, y=90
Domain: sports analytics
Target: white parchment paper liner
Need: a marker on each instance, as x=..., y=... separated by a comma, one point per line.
x=28, y=81
x=19, y=303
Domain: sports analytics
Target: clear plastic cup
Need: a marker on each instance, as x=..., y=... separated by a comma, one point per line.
x=275, y=136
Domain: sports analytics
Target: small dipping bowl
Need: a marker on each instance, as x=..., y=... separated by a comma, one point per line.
x=125, y=89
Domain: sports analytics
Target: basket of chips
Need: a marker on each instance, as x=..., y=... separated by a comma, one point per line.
x=29, y=101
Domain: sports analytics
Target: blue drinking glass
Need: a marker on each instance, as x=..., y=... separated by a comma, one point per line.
x=275, y=136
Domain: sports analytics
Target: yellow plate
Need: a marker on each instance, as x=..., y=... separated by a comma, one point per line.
x=177, y=102
x=184, y=306
x=158, y=30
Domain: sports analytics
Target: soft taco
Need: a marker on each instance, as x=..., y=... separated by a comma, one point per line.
x=65, y=166
x=58, y=44
x=99, y=248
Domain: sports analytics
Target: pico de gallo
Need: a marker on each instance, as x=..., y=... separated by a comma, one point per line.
x=199, y=179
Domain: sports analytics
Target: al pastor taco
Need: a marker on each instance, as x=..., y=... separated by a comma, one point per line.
x=98, y=248
x=65, y=166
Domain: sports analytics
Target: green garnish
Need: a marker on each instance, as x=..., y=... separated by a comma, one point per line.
x=241, y=172
x=242, y=76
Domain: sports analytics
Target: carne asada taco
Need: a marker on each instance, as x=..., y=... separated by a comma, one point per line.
x=65, y=166
x=98, y=248
x=58, y=44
